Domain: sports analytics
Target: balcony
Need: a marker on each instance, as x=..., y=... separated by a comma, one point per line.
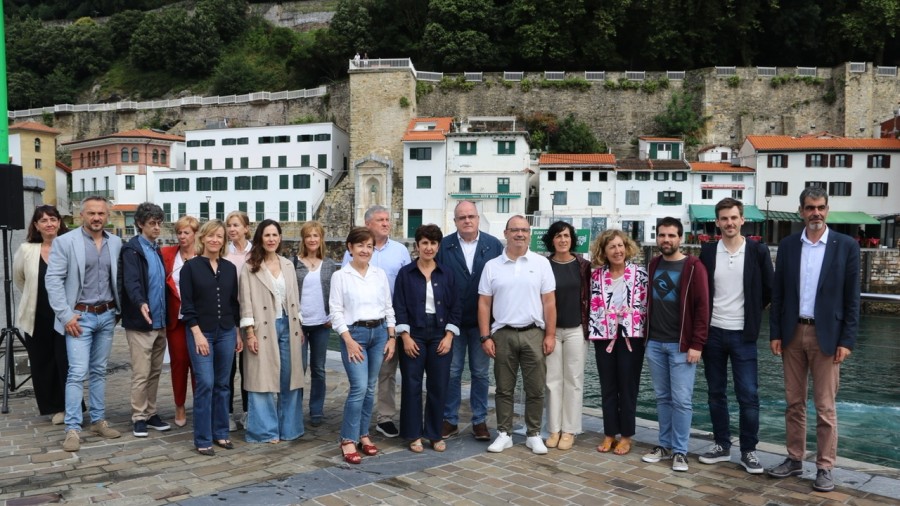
x=77, y=197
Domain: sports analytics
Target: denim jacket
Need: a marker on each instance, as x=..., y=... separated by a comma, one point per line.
x=409, y=298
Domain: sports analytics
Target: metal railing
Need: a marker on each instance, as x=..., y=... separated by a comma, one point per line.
x=675, y=75
x=513, y=76
x=381, y=63
x=807, y=71
x=635, y=75
x=77, y=197
x=766, y=71
x=554, y=76
x=858, y=67
x=886, y=71
x=726, y=71
x=595, y=75
x=474, y=77
x=429, y=76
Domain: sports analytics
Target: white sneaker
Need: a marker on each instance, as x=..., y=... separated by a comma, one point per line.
x=503, y=442
x=232, y=426
x=537, y=445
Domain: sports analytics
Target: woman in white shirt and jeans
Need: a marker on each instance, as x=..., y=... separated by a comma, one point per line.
x=363, y=315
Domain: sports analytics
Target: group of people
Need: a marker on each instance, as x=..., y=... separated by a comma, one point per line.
x=465, y=297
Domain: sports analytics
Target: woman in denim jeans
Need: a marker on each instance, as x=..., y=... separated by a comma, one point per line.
x=314, y=271
x=363, y=315
x=209, y=308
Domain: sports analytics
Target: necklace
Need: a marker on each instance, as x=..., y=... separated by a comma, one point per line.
x=553, y=258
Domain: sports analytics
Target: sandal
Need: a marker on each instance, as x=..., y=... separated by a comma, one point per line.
x=350, y=458
x=225, y=443
x=439, y=446
x=209, y=452
x=416, y=446
x=368, y=449
x=623, y=447
x=608, y=444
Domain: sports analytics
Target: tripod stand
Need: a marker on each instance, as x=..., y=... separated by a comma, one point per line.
x=9, y=332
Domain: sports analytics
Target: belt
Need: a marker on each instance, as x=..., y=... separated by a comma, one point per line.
x=369, y=324
x=806, y=321
x=99, y=308
x=520, y=329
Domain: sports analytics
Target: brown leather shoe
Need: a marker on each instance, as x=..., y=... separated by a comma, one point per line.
x=480, y=431
x=449, y=430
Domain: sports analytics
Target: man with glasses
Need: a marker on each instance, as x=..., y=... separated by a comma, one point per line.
x=813, y=326
x=518, y=290
x=465, y=254
x=143, y=289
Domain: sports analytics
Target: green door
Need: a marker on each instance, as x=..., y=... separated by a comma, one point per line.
x=413, y=221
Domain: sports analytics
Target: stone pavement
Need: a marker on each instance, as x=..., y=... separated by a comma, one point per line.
x=164, y=467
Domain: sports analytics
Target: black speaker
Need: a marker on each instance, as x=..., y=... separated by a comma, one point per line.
x=12, y=204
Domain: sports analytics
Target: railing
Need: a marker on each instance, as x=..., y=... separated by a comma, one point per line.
x=513, y=76
x=381, y=63
x=474, y=77
x=554, y=76
x=429, y=76
x=886, y=71
x=77, y=197
x=635, y=75
x=857, y=67
x=675, y=75
x=596, y=75
x=726, y=71
x=164, y=104
x=766, y=71
x=807, y=71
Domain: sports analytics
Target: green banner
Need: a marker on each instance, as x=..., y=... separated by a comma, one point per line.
x=583, y=235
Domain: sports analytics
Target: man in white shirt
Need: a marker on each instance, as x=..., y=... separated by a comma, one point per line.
x=390, y=256
x=519, y=290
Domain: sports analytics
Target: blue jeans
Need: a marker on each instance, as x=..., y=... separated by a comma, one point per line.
x=88, y=355
x=271, y=416
x=673, y=384
x=211, y=374
x=436, y=370
x=721, y=346
x=479, y=369
x=362, y=377
x=315, y=349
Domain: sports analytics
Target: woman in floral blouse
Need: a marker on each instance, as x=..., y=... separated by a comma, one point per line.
x=616, y=325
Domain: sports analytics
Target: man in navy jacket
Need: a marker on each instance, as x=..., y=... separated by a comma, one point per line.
x=143, y=289
x=814, y=322
x=740, y=287
x=464, y=254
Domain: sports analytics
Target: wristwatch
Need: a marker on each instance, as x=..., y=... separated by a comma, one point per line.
x=485, y=338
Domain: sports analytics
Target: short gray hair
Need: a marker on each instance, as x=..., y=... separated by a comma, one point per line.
x=376, y=209
x=813, y=192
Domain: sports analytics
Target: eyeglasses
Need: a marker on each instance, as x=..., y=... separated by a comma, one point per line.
x=519, y=230
x=467, y=217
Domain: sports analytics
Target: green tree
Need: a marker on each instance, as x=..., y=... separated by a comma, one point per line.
x=121, y=27
x=681, y=118
x=872, y=27
x=173, y=41
x=576, y=137
x=461, y=34
x=352, y=27
x=229, y=17
x=24, y=90
x=89, y=48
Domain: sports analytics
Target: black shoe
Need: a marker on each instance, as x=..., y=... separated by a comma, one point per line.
x=209, y=452
x=388, y=429
x=787, y=468
x=225, y=443
x=140, y=428
x=156, y=423
x=824, y=482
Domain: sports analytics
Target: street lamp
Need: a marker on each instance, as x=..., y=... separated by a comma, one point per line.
x=208, y=213
x=766, y=223
x=552, y=207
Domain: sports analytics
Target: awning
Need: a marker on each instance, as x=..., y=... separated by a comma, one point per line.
x=783, y=216
x=850, y=218
x=707, y=213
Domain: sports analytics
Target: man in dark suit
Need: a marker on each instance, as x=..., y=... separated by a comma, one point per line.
x=465, y=254
x=814, y=322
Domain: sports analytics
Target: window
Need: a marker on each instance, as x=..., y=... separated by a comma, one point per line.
x=642, y=176
x=323, y=162
x=129, y=182
x=660, y=176
x=245, y=162
x=82, y=159
x=776, y=188
x=243, y=140
x=420, y=153
x=680, y=176
x=560, y=198
x=284, y=182
x=220, y=184
x=304, y=160
x=106, y=182
x=124, y=155
x=706, y=194
x=551, y=175
x=204, y=184
x=603, y=176
x=468, y=148
x=207, y=164
x=623, y=176
x=242, y=183
x=301, y=210
x=163, y=158
x=220, y=211
x=502, y=205
x=204, y=210
x=167, y=212
x=266, y=162
x=165, y=185
x=192, y=165
x=229, y=163
x=304, y=138
x=260, y=182
x=134, y=155
x=668, y=198
x=594, y=198
x=465, y=184
x=229, y=142
x=737, y=178
x=586, y=175
x=878, y=189
x=284, y=210
x=155, y=156
x=839, y=189
x=879, y=162
x=37, y=145
x=265, y=140
x=260, y=211
x=242, y=207
x=663, y=147
x=570, y=176
x=816, y=184
x=193, y=144
x=282, y=138
x=282, y=161
x=208, y=142
x=842, y=160
x=38, y=164
x=423, y=182
x=816, y=160
x=502, y=185
x=182, y=209
x=506, y=147
x=737, y=194
x=706, y=178
x=777, y=161
x=301, y=181
x=632, y=198
x=323, y=137
x=182, y=184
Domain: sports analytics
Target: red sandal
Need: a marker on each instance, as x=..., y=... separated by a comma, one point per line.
x=350, y=458
x=368, y=449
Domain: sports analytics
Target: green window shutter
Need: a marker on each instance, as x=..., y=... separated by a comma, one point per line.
x=653, y=151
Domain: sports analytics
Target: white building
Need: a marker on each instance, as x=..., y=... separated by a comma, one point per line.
x=577, y=188
x=272, y=172
x=716, y=153
x=714, y=181
x=424, y=173
x=488, y=163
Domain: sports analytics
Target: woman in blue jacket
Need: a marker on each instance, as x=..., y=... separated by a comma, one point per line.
x=428, y=316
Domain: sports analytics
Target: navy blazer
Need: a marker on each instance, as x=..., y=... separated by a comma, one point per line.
x=837, y=296
x=409, y=298
x=450, y=255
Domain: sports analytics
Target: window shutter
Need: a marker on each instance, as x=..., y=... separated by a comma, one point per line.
x=849, y=161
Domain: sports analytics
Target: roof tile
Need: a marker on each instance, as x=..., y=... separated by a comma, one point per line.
x=821, y=141
x=718, y=167
x=34, y=126
x=438, y=133
x=578, y=159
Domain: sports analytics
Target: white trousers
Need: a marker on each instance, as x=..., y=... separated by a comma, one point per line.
x=565, y=381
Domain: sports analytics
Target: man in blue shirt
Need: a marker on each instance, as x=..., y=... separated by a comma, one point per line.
x=144, y=315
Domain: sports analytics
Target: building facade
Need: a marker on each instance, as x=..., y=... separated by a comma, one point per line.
x=577, y=188
x=33, y=146
x=424, y=173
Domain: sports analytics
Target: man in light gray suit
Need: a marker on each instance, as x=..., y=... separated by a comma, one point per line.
x=81, y=286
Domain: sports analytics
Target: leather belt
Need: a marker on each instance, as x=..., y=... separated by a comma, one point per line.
x=98, y=309
x=369, y=324
x=806, y=321
x=520, y=329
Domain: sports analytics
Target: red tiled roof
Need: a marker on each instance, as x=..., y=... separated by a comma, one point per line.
x=34, y=126
x=637, y=164
x=124, y=207
x=717, y=167
x=60, y=165
x=441, y=128
x=138, y=133
x=664, y=139
x=822, y=141
x=578, y=159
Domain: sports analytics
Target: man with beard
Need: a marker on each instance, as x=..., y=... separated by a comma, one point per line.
x=678, y=313
x=813, y=327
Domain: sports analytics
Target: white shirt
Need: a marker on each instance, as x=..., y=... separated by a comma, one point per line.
x=728, y=301
x=356, y=297
x=468, y=249
x=516, y=287
x=279, y=288
x=312, y=301
x=176, y=276
x=811, y=256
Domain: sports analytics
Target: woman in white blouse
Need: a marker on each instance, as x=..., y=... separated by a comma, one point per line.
x=270, y=318
x=362, y=314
